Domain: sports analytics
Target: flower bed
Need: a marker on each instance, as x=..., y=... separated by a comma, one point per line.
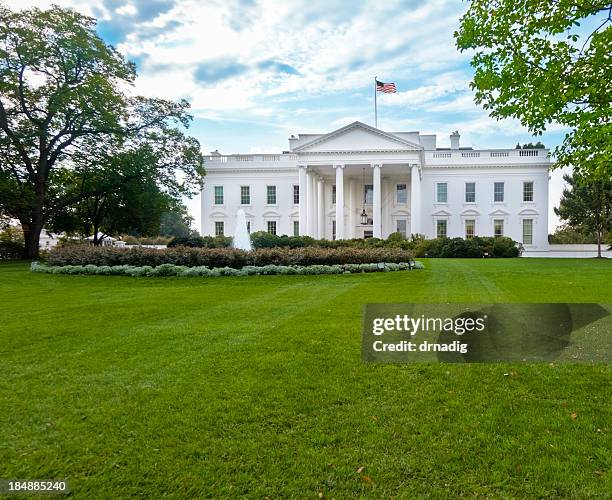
x=222, y=257
x=173, y=270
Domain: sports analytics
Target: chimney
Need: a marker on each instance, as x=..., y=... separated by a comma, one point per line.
x=454, y=138
x=293, y=140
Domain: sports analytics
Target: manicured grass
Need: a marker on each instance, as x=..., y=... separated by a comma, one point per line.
x=253, y=387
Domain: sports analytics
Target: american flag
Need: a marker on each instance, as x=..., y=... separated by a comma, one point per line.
x=387, y=88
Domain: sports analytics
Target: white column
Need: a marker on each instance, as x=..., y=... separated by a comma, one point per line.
x=339, y=201
x=415, y=201
x=320, y=210
x=387, y=197
x=376, y=205
x=350, y=233
x=203, y=221
x=310, y=204
x=303, y=207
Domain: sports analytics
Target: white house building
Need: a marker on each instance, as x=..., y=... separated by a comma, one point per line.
x=358, y=182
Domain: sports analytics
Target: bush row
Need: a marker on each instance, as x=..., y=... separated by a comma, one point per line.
x=222, y=257
x=11, y=250
x=476, y=247
x=201, y=242
x=172, y=270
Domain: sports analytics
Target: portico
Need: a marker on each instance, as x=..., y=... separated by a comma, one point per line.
x=353, y=169
x=336, y=195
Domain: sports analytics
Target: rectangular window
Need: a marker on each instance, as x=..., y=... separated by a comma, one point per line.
x=441, y=227
x=498, y=192
x=245, y=195
x=296, y=194
x=218, y=195
x=441, y=192
x=271, y=195
x=334, y=229
x=272, y=226
x=334, y=194
x=498, y=227
x=470, y=228
x=219, y=228
x=401, y=193
x=528, y=191
x=249, y=226
x=527, y=231
x=368, y=194
x=400, y=227
x=296, y=228
x=470, y=192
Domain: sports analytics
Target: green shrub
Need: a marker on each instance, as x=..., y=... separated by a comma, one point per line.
x=12, y=244
x=271, y=269
x=476, y=247
x=222, y=257
x=201, y=242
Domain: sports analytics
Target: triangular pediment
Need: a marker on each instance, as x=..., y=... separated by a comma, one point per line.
x=357, y=137
x=499, y=213
x=441, y=213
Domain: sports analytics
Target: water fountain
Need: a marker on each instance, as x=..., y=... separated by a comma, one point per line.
x=242, y=239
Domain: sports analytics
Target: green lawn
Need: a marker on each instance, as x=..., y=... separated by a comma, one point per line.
x=254, y=387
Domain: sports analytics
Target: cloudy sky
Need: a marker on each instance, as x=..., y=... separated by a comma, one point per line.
x=256, y=72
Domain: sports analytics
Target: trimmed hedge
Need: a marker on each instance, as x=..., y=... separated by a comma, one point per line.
x=475, y=247
x=172, y=270
x=417, y=245
x=222, y=257
x=201, y=242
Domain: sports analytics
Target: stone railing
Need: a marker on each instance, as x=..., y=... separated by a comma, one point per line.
x=509, y=155
x=250, y=158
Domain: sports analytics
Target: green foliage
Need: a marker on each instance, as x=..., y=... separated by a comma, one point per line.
x=262, y=239
x=566, y=235
x=11, y=243
x=534, y=61
x=531, y=145
x=177, y=223
x=222, y=257
x=476, y=247
x=586, y=205
x=66, y=112
x=145, y=240
x=202, y=242
x=184, y=271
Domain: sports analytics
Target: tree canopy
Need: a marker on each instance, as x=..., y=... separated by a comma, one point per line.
x=587, y=206
x=66, y=96
x=545, y=62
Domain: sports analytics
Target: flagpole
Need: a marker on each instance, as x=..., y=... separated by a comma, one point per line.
x=375, y=106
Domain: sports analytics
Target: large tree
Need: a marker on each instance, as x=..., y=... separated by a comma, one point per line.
x=63, y=91
x=544, y=62
x=586, y=205
x=126, y=195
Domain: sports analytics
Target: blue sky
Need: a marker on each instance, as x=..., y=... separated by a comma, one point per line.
x=256, y=71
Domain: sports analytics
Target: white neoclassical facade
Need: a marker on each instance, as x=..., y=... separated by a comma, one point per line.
x=359, y=181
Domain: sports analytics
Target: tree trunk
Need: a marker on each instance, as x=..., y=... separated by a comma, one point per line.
x=31, y=235
x=599, y=244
